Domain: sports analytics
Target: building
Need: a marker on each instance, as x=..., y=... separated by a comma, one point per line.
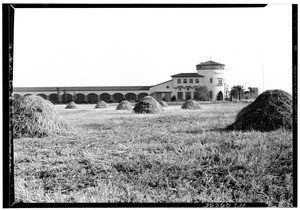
x=182, y=86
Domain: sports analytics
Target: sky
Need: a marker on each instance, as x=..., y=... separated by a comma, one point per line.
x=128, y=47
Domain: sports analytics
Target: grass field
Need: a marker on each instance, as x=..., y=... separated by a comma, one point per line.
x=176, y=156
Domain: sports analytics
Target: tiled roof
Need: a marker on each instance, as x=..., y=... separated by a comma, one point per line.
x=162, y=83
x=187, y=75
x=210, y=63
x=86, y=88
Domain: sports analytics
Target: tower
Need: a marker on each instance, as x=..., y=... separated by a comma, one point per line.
x=214, y=78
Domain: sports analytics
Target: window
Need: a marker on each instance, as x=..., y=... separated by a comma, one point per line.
x=211, y=80
x=191, y=81
x=167, y=87
x=188, y=88
x=178, y=81
x=220, y=82
x=197, y=81
x=184, y=81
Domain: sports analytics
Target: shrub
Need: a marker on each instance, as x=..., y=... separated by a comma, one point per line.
x=173, y=98
x=202, y=93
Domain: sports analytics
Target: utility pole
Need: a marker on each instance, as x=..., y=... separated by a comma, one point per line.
x=263, y=79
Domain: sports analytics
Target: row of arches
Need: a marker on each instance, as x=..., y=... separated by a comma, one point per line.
x=90, y=98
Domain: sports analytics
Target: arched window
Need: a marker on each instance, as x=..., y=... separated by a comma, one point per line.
x=105, y=97
x=66, y=98
x=53, y=98
x=92, y=98
x=142, y=95
x=130, y=97
x=118, y=97
x=42, y=95
x=80, y=98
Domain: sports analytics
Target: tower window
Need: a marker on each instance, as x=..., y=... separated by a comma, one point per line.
x=184, y=81
x=191, y=81
x=178, y=81
x=211, y=80
x=196, y=80
x=220, y=82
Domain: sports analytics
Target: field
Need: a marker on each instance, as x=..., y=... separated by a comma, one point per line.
x=176, y=156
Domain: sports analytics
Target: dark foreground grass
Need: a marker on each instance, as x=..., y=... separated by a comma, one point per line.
x=176, y=156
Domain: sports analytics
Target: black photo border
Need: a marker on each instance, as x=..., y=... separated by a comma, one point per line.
x=8, y=11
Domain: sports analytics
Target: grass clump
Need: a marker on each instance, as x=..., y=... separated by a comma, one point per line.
x=147, y=105
x=270, y=111
x=191, y=104
x=101, y=105
x=163, y=104
x=124, y=105
x=33, y=116
x=71, y=105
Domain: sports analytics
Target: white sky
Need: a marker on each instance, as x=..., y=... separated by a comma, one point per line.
x=110, y=47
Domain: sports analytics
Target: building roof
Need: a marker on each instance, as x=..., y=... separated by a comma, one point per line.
x=187, y=75
x=85, y=88
x=210, y=63
x=162, y=83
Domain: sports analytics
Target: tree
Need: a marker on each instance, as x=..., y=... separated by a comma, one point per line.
x=237, y=90
x=202, y=93
x=251, y=91
x=173, y=98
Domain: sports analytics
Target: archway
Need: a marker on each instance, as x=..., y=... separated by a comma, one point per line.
x=66, y=98
x=92, y=98
x=220, y=96
x=130, y=97
x=42, y=95
x=79, y=98
x=53, y=98
x=142, y=95
x=118, y=97
x=105, y=97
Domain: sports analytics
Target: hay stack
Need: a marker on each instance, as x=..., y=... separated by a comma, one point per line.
x=270, y=111
x=71, y=105
x=163, y=104
x=33, y=116
x=147, y=105
x=124, y=105
x=101, y=105
x=191, y=104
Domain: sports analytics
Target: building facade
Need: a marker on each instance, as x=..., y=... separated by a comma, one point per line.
x=183, y=86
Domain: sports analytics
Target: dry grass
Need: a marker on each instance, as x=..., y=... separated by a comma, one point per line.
x=101, y=105
x=34, y=116
x=163, y=104
x=124, y=105
x=175, y=156
x=147, y=105
x=71, y=105
x=191, y=104
x=270, y=111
